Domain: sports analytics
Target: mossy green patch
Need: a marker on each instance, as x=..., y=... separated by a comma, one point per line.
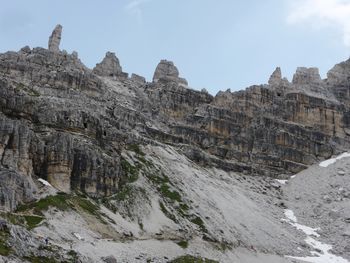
x=135, y=148
x=183, y=244
x=199, y=222
x=124, y=193
x=131, y=171
x=167, y=213
x=35, y=259
x=171, y=195
x=32, y=221
x=59, y=201
x=192, y=259
x=5, y=250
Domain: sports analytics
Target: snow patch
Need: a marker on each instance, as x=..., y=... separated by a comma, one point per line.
x=290, y=215
x=319, y=257
x=293, y=221
x=44, y=182
x=328, y=162
x=281, y=181
x=78, y=236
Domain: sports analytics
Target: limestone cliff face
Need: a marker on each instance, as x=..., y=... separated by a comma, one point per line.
x=68, y=124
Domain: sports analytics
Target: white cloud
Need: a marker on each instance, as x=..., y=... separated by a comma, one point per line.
x=322, y=13
x=135, y=8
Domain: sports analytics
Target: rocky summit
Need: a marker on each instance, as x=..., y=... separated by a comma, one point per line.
x=112, y=168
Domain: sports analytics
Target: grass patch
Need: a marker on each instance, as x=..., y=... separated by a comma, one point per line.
x=86, y=205
x=166, y=212
x=32, y=221
x=199, y=222
x=192, y=259
x=62, y=202
x=135, y=148
x=34, y=259
x=59, y=201
x=73, y=254
x=124, y=193
x=183, y=244
x=171, y=195
x=132, y=172
x=5, y=250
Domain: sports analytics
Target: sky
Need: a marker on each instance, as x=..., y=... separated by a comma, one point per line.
x=215, y=44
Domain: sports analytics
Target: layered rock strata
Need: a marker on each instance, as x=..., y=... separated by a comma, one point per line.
x=68, y=124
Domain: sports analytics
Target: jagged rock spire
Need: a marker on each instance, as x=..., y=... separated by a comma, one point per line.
x=306, y=76
x=276, y=77
x=167, y=70
x=109, y=66
x=55, y=39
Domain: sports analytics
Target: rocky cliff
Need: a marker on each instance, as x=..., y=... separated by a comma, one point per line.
x=159, y=154
x=68, y=124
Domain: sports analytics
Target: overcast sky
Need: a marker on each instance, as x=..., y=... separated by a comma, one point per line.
x=216, y=44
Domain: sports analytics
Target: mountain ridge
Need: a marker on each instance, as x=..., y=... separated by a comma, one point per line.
x=118, y=152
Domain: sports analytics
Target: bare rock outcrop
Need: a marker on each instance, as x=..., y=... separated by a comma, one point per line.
x=276, y=77
x=138, y=79
x=305, y=75
x=62, y=122
x=55, y=39
x=166, y=70
x=110, y=67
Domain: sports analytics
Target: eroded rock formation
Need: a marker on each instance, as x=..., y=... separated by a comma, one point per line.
x=110, y=67
x=55, y=39
x=68, y=124
x=166, y=70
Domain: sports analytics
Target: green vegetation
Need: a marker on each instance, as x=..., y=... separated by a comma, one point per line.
x=192, y=259
x=124, y=193
x=167, y=213
x=34, y=259
x=86, y=205
x=59, y=201
x=62, y=202
x=163, y=186
x=13, y=219
x=73, y=255
x=172, y=195
x=183, y=244
x=199, y=222
x=131, y=171
x=135, y=148
x=32, y=221
x=5, y=250
x=30, y=91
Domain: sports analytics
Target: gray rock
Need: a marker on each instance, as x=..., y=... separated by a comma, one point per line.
x=109, y=67
x=137, y=78
x=109, y=259
x=276, y=77
x=306, y=76
x=327, y=198
x=341, y=172
x=166, y=70
x=55, y=39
